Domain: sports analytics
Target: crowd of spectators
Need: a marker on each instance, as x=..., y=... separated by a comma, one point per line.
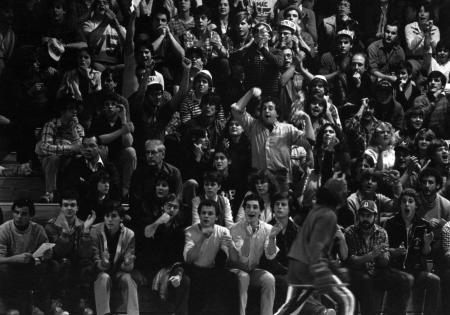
x=227, y=127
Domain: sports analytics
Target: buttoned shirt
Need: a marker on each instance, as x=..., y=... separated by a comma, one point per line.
x=209, y=248
x=383, y=59
x=95, y=167
x=58, y=138
x=357, y=245
x=241, y=232
x=271, y=149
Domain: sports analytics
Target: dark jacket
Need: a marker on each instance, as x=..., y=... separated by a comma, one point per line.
x=414, y=261
x=143, y=184
x=77, y=176
x=279, y=265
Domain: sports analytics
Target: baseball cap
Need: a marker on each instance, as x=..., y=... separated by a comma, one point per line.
x=368, y=205
x=347, y=33
x=289, y=25
x=298, y=152
x=204, y=73
x=154, y=79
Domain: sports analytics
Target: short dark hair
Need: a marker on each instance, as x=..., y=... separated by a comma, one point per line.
x=22, y=203
x=434, y=145
x=202, y=10
x=403, y=64
x=392, y=23
x=431, y=172
x=211, y=98
x=110, y=96
x=209, y=203
x=114, y=206
x=443, y=45
x=110, y=72
x=270, y=99
x=212, y=177
x=69, y=195
x=283, y=196
x=254, y=197
x=437, y=75
x=161, y=10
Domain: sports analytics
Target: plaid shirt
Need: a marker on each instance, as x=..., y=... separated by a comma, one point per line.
x=446, y=237
x=357, y=246
x=57, y=138
x=178, y=27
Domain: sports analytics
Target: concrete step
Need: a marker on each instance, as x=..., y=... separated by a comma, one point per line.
x=11, y=188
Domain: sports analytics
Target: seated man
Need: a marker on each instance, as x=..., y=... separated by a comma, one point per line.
x=251, y=239
x=61, y=138
x=113, y=246
x=206, y=251
x=80, y=170
x=410, y=240
x=73, y=251
x=145, y=178
x=20, y=271
x=368, y=251
x=114, y=130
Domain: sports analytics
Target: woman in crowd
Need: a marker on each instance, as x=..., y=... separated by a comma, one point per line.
x=81, y=81
x=381, y=147
x=264, y=185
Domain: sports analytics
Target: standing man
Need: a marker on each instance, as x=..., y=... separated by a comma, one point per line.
x=271, y=141
x=310, y=253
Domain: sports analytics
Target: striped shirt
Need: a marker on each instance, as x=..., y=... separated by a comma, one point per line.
x=190, y=108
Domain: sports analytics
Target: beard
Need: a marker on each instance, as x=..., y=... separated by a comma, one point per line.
x=366, y=225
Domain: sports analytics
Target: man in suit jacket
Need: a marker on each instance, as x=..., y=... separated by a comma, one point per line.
x=78, y=173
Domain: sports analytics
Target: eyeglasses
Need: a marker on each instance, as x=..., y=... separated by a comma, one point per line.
x=69, y=204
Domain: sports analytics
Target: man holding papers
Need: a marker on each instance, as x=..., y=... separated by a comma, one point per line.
x=20, y=272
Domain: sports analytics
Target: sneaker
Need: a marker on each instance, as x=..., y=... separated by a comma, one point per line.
x=47, y=198
x=329, y=311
